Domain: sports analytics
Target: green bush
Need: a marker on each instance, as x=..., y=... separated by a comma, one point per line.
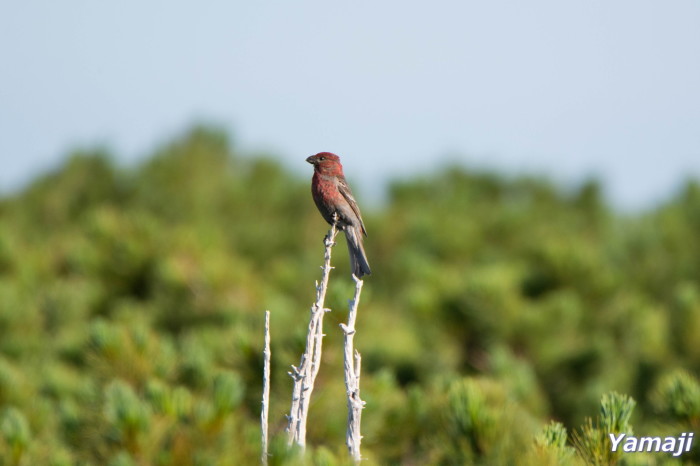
x=132, y=301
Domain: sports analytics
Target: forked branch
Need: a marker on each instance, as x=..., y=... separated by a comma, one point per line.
x=304, y=376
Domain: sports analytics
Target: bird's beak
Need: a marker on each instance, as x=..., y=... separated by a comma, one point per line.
x=310, y=159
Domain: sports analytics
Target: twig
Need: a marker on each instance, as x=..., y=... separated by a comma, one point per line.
x=266, y=389
x=305, y=375
x=352, y=377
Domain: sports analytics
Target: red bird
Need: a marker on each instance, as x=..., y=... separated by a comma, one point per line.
x=332, y=195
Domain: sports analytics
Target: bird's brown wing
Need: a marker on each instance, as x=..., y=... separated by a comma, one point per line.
x=344, y=189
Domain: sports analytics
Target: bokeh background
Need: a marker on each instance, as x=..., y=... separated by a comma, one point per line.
x=527, y=173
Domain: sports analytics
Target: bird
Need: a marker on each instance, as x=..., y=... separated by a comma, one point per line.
x=332, y=195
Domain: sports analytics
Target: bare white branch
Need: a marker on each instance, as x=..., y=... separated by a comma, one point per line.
x=352, y=364
x=266, y=388
x=305, y=376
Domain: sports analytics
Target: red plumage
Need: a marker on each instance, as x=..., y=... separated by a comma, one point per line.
x=332, y=194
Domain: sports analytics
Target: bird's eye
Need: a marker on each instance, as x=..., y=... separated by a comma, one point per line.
x=322, y=158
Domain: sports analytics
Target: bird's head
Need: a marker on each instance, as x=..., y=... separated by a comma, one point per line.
x=326, y=163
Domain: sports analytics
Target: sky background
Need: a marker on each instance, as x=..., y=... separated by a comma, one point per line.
x=564, y=89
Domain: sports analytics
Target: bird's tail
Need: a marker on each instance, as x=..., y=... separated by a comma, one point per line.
x=358, y=258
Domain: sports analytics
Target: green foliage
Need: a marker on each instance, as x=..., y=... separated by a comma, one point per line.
x=677, y=397
x=132, y=299
x=478, y=412
x=15, y=434
x=127, y=416
x=592, y=442
x=551, y=446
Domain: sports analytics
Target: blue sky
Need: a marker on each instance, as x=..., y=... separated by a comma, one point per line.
x=565, y=89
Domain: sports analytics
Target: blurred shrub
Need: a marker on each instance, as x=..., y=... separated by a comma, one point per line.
x=15, y=434
x=132, y=299
x=677, y=397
